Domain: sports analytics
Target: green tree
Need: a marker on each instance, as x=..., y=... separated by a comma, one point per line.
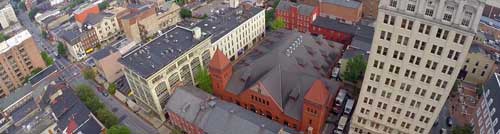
x=186, y=13
x=467, y=129
x=3, y=37
x=354, y=69
x=118, y=129
x=46, y=58
x=179, y=2
x=61, y=49
x=87, y=95
x=103, y=5
x=112, y=88
x=107, y=118
x=21, y=5
x=176, y=131
x=32, y=13
x=278, y=24
x=45, y=35
x=203, y=79
x=89, y=74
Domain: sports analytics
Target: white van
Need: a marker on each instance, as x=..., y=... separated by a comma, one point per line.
x=342, y=123
x=348, y=106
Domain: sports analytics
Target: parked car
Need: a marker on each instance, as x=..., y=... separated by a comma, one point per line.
x=348, y=106
x=336, y=73
x=342, y=124
x=442, y=131
x=339, y=100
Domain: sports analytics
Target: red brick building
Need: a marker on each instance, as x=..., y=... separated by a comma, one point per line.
x=287, y=85
x=345, y=11
x=305, y=18
x=296, y=16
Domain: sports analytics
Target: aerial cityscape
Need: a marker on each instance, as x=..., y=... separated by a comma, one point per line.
x=249, y=66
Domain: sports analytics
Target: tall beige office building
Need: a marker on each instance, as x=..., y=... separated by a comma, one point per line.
x=418, y=49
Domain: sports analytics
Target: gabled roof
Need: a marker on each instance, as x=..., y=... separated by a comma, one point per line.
x=71, y=126
x=318, y=93
x=286, y=71
x=219, y=60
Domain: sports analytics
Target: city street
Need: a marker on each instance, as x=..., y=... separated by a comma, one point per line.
x=71, y=74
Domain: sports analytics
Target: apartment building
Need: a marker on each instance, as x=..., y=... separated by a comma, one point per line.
x=7, y=15
x=105, y=26
x=235, y=30
x=144, y=21
x=418, y=48
x=486, y=119
x=19, y=56
x=79, y=41
x=479, y=65
x=154, y=69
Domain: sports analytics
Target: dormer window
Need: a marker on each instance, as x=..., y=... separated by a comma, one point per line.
x=429, y=11
x=467, y=18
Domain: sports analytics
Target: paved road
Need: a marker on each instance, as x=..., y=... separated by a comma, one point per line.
x=441, y=121
x=127, y=117
x=71, y=74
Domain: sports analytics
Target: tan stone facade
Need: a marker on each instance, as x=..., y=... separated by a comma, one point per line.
x=19, y=56
x=370, y=8
x=479, y=67
x=138, y=25
x=344, y=14
x=418, y=49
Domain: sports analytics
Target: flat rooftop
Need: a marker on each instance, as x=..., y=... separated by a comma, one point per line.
x=153, y=56
x=226, y=19
x=14, y=41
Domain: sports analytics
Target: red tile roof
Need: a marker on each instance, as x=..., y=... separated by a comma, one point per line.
x=318, y=93
x=219, y=60
x=82, y=16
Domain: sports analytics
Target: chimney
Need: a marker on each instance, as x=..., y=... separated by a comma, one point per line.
x=197, y=33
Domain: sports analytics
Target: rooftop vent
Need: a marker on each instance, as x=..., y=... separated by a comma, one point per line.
x=245, y=75
x=186, y=107
x=211, y=103
x=197, y=33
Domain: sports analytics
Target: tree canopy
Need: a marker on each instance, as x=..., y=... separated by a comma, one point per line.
x=107, y=118
x=112, y=88
x=47, y=59
x=89, y=74
x=203, y=79
x=103, y=5
x=278, y=24
x=186, y=13
x=118, y=129
x=3, y=37
x=61, y=49
x=354, y=69
x=467, y=129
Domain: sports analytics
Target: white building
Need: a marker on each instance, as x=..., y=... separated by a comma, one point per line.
x=418, y=49
x=7, y=15
x=155, y=69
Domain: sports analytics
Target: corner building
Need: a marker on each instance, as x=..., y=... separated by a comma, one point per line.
x=418, y=48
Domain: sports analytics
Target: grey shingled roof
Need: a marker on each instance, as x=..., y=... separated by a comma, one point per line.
x=356, y=30
x=153, y=56
x=93, y=19
x=67, y=106
x=345, y=3
x=284, y=75
x=23, y=111
x=219, y=24
x=192, y=104
x=15, y=96
x=103, y=53
x=302, y=8
x=476, y=48
x=42, y=74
